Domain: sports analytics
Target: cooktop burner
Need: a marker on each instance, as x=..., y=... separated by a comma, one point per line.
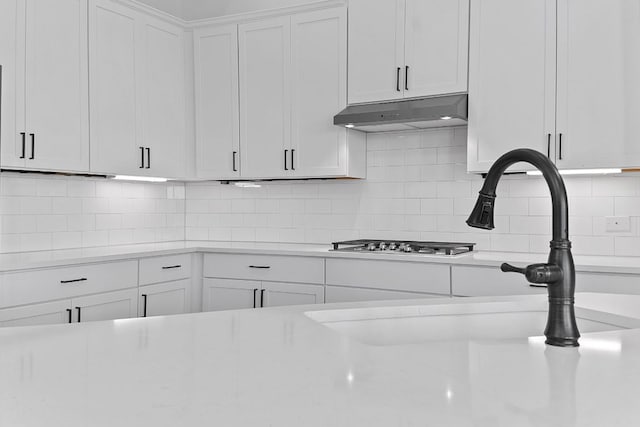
x=403, y=247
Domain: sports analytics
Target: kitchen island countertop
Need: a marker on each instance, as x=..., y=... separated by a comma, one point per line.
x=277, y=367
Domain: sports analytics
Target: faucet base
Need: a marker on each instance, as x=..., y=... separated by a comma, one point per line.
x=562, y=342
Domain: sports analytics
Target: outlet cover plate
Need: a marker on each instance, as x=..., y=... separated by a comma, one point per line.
x=618, y=223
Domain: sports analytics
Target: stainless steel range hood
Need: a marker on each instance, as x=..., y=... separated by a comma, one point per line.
x=437, y=111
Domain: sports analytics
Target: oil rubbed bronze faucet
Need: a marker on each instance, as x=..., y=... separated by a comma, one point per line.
x=559, y=272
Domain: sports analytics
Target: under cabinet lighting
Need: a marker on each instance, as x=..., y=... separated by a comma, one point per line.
x=581, y=172
x=446, y=118
x=349, y=126
x=139, y=178
x=247, y=185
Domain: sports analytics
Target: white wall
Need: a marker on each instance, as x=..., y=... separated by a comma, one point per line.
x=201, y=9
x=40, y=212
x=417, y=188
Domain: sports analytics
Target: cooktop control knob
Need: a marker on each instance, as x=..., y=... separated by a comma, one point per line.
x=371, y=246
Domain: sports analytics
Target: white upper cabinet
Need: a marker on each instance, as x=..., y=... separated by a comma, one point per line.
x=46, y=81
x=114, y=138
x=319, y=91
x=376, y=50
x=137, y=92
x=568, y=90
x=407, y=48
x=598, y=85
x=265, y=100
x=511, y=79
x=217, y=106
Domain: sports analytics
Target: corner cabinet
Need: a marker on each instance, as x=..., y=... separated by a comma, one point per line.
x=266, y=97
x=138, y=124
x=45, y=105
x=407, y=48
x=544, y=75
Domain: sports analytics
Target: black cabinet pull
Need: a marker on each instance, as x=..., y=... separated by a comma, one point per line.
x=169, y=267
x=285, y=160
x=292, y=164
x=255, y=292
x=406, y=77
x=261, y=298
x=79, y=313
x=69, y=311
x=398, y=79
x=144, y=305
x=141, y=157
x=549, y=145
x=148, y=158
x=24, y=144
x=560, y=146
x=235, y=169
x=33, y=146
x=82, y=279
x=259, y=266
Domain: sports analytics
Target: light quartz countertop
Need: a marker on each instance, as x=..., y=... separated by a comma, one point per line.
x=53, y=258
x=277, y=367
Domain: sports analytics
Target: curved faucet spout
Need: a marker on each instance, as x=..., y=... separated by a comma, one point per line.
x=559, y=272
x=550, y=174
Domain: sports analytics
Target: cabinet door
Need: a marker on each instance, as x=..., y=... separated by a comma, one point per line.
x=228, y=294
x=279, y=294
x=376, y=50
x=37, y=314
x=160, y=61
x=165, y=298
x=108, y=306
x=12, y=41
x=598, y=85
x=346, y=294
x=115, y=144
x=217, y=105
x=57, y=87
x=436, y=47
x=319, y=68
x=511, y=79
x=265, y=100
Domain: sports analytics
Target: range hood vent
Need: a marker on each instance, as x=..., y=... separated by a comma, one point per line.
x=410, y=114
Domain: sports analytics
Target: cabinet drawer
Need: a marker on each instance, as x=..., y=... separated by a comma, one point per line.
x=265, y=267
x=608, y=283
x=165, y=269
x=391, y=275
x=58, y=283
x=345, y=294
x=489, y=281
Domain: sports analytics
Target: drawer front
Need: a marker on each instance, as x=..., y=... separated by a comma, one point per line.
x=345, y=294
x=489, y=281
x=390, y=275
x=165, y=269
x=58, y=283
x=608, y=283
x=265, y=267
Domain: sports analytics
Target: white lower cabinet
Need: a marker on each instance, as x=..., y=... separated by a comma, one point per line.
x=473, y=281
x=165, y=298
x=231, y=294
x=49, y=313
x=347, y=294
x=108, y=306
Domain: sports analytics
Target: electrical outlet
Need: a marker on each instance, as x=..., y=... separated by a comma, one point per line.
x=618, y=223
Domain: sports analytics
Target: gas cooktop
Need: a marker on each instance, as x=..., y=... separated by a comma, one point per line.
x=403, y=247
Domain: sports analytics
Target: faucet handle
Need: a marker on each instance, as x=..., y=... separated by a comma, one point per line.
x=508, y=268
x=536, y=273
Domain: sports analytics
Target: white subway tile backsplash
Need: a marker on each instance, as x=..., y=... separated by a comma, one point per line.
x=41, y=212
